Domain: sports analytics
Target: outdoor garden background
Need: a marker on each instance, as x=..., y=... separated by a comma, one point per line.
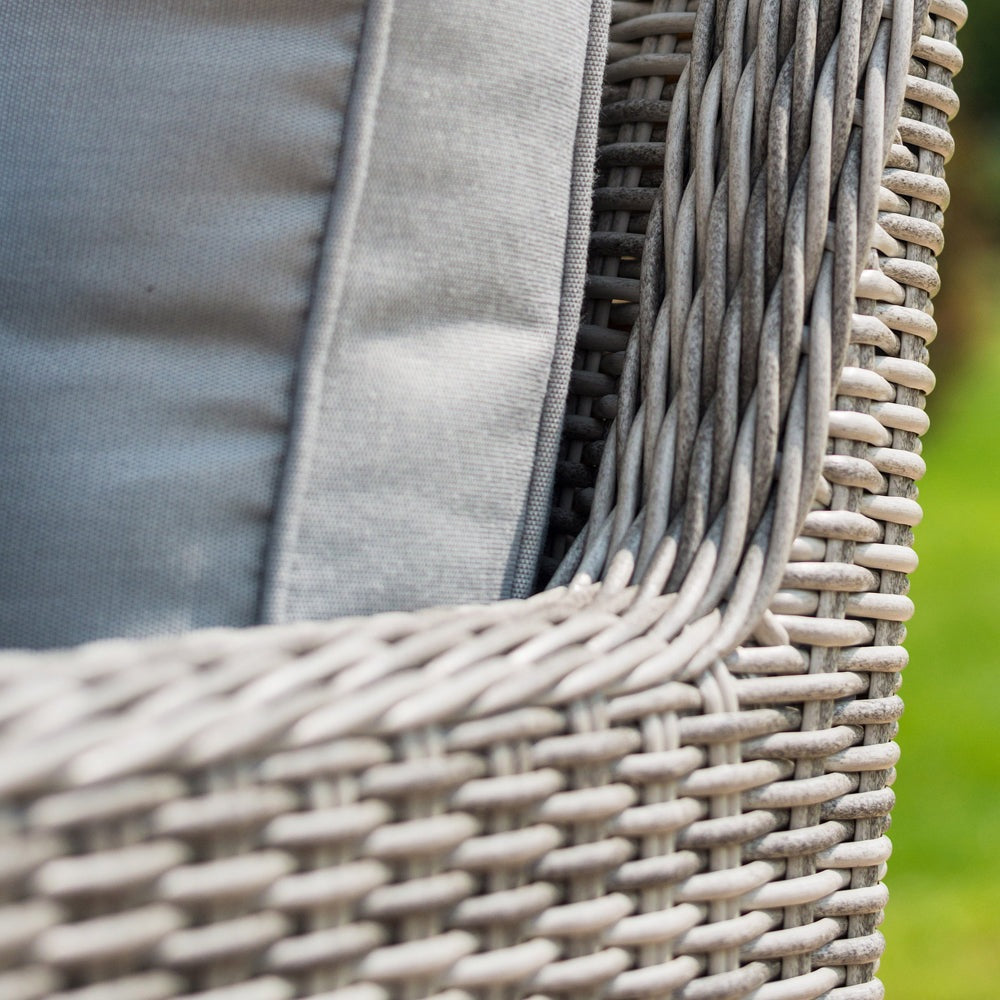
x=943, y=919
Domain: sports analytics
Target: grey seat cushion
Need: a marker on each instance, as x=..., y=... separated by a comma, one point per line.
x=435, y=374
x=165, y=174
x=260, y=364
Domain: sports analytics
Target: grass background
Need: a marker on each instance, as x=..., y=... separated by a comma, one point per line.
x=943, y=919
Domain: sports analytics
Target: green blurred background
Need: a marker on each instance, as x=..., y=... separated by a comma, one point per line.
x=943, y=920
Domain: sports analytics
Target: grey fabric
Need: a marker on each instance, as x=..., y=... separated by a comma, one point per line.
x=438, y=347
x=178, y=208
x=539, y=505
x=165, y=175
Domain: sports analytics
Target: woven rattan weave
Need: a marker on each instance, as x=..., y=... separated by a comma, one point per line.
x=666, y=776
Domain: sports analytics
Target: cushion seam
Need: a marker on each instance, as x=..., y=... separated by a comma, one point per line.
x=328, y=287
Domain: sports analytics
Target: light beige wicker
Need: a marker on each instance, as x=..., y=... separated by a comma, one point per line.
x=668, y=775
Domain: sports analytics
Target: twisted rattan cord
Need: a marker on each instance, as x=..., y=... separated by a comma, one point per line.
x=656, y=514
x=506, y=800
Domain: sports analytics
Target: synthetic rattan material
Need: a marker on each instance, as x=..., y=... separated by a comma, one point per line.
x=648, y=786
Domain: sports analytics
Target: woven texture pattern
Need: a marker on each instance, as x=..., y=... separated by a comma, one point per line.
x=668, y=775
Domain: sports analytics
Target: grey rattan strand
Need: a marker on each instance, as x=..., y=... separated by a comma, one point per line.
x=668, y=776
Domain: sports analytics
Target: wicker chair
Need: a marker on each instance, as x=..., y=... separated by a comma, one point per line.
x=668, y=774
